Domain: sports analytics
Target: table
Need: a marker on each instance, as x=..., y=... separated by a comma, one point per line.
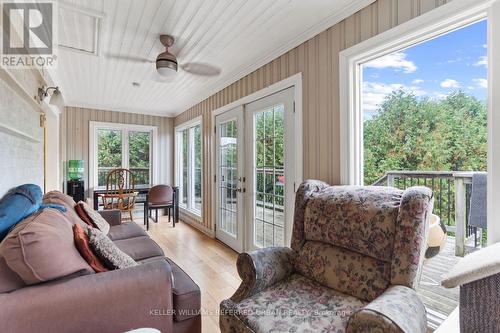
x=141, y=198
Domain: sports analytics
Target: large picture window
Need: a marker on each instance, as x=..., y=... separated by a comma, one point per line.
x=121, y=146
x=188, y=166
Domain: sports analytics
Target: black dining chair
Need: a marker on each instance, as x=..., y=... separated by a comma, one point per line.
x=159, y=197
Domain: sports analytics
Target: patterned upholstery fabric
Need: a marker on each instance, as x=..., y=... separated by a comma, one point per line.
x=391, y=312
x=346, y=271
x=360, y=219
x=298, y=304
x=411, y=235
x=356, y=254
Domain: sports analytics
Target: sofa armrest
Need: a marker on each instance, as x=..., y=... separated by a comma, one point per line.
x=112, y=216
x=397, y=310
x=261, y=269
x=115, y=301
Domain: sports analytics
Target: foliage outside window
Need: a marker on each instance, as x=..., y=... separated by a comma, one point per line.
x=189, y=168
x=123, y=148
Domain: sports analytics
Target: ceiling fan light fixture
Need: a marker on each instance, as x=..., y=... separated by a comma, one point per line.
x=166, y=64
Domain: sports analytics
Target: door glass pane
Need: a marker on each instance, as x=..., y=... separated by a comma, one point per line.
x=197, y=167
x=138, y=150
x=228, y=174
x=109, y=153
x=185, y=165
x=269, y=177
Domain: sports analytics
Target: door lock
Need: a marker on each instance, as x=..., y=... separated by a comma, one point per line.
x=241, y=190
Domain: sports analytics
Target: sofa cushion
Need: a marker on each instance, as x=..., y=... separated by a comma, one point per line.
x=357, y=218
x=59, y=198
x=41, y=248
x=126, y=230
x=82, y=244
x=139, y=247
x=187, y=299
x=295, y=305
x=96, y=218
x=108, y=252
x=346, y=271
x=9, y=280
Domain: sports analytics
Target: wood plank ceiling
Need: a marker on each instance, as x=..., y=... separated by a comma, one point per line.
x=233, y=36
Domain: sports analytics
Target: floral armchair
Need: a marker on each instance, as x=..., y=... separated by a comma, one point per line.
x=354, y=261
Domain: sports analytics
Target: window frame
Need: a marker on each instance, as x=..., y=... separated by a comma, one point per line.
x=95, y=126
x=178, y=167
x=448, y=17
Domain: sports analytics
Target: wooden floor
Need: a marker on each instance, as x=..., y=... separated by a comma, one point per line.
x=212, y=265
x=436, y=298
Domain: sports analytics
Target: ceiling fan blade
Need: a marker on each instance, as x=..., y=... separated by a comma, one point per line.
x=200, y=68
x=128, y=58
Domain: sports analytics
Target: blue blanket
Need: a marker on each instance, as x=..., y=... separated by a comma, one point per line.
x=19, y=203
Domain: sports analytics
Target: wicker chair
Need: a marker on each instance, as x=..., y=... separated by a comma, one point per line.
x=120, y=191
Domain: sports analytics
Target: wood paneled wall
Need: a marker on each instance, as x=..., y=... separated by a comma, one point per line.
x=75, y=136
x=318, y=60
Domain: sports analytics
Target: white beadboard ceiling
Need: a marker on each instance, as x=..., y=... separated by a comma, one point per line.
x=234, y=36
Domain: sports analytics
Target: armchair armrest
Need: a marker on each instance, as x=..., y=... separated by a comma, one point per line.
x=261, y=269
x=397, y=310
x=115, y=301
x=112, y=216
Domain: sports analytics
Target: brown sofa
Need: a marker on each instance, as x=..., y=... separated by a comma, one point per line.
x=155, y=294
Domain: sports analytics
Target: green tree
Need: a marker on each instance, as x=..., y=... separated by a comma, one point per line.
x=408, y=133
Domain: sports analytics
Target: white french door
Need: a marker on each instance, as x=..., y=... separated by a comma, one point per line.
x=229, y=178
x=256, y=173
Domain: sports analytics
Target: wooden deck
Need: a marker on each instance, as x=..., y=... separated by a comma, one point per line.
x=438, y=300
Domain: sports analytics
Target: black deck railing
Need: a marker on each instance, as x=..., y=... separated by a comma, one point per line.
x=445, y=185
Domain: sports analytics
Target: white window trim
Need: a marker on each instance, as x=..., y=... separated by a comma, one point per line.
x=294, y=81
x=153, y=150
x=448, y=17
x=178, y=157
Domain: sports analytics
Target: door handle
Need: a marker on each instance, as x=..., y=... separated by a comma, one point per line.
x=241, y=190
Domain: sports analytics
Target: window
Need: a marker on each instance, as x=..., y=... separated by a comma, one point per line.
x=416, y=109
x=121, y=146
x=188, y=166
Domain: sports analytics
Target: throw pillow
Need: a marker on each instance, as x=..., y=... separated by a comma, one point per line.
x=96, y=218
x=56, y=197
x=83, y=246
x=19, y=203
x=84, y=216
x=108, y=252
x=41, y=248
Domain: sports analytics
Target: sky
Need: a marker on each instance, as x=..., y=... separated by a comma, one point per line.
x=432, y=69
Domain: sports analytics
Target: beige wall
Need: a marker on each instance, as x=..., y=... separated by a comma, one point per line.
x=75, y=136
x=318, y=60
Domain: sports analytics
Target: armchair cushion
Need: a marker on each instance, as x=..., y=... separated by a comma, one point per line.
x=397, y=310
x=296, y=304
x=346, y=271
x=261, y=269
x=358, y=218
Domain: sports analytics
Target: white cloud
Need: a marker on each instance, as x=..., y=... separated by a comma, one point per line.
x=417, y=81
x=481, y=83
x=450, y=83
x=374, y=93
x=485, y=46
x=483, y=61
x=395, y=60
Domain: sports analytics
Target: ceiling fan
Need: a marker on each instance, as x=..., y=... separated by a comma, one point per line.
x=167, y=65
